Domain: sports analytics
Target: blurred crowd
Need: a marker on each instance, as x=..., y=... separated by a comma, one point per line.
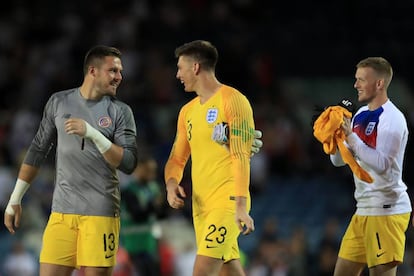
x=286, y=61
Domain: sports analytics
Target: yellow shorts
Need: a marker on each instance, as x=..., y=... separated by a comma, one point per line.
x=375, y=240
x=76, y=240
x=216, y=234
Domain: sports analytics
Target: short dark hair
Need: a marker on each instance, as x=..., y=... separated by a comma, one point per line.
x=202, y=51
x=96, y=54
x=380, y=65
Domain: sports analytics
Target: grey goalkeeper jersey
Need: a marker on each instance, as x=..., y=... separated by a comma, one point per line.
x=85, y=183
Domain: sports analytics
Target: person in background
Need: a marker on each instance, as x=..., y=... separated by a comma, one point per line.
x=377, y=136
x=216, y=129
x=20, y=261
x=141, y=205
x=95, y=136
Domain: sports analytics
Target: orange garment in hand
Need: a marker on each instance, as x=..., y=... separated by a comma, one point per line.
x=328, y=130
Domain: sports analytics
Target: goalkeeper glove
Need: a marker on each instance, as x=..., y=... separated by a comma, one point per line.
x=221, y=133
x=257, y=142
x=221, y=136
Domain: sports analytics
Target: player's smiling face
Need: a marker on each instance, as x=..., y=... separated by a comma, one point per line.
x=109, y=75
x=366, y=84
x=186, y=73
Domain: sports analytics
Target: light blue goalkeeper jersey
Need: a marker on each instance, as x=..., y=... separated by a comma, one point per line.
x=85, y=183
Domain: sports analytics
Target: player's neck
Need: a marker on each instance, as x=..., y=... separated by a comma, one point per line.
x=208, y=88
x=88, y=92
x=377, y=102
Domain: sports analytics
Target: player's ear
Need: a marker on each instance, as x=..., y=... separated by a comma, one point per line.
x=92, y=70
x=380, y=83
x=196, y=68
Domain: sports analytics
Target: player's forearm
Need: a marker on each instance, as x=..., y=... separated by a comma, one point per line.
x=241, y=203
x=241, y=143
x=27, y=173
x=114, y=155
x=336, y=159
x=174, y=169
x=375, y=159
x=120, y=158
x=241, y=170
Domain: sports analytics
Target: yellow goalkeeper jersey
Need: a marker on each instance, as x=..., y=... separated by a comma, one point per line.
x=219, y=173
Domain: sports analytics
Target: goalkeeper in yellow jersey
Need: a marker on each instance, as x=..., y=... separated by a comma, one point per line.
x=216, y=129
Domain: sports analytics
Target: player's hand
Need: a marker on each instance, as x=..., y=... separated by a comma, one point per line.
x=175, y=195
x=244, y=222
x=257, y=142
x=12, y=217
x=346, y=126
x=75, y=126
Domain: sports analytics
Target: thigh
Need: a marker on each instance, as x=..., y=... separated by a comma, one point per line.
x=348, y=268
x=53, y=269
x=389, y=269
x=232, y=268
x=98, y=271
x=59, y=244
x=98, y=241
x=385, y=239
x=205, y=265
x=210, y=266
x=216, y=234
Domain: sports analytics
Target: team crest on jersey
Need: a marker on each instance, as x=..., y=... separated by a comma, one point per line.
x=211, y=115
x=104, y=121
x=370, y=128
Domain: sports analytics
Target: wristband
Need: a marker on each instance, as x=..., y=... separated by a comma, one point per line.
x=102, y=143
x=16, y=197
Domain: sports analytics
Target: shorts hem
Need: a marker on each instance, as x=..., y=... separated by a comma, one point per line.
x=58, y=263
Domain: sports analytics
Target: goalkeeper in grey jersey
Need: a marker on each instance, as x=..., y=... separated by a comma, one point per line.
x=95, y=135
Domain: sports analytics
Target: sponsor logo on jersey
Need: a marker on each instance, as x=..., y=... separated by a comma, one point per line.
x=212, y=114
x=104, y=121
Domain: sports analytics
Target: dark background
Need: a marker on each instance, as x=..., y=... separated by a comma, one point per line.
x=285, y=57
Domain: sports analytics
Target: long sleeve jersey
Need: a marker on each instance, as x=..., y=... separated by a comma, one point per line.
x=85, y=183
x=219, y=173
x=378, y=142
